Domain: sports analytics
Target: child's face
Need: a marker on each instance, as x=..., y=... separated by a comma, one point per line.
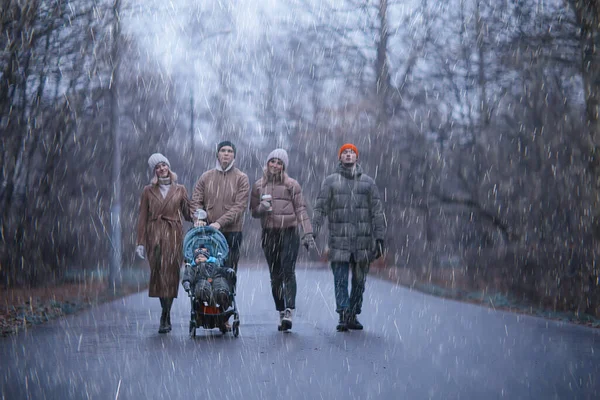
x=201, y=257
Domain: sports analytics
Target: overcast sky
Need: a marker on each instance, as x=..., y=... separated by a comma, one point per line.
x=193, y=41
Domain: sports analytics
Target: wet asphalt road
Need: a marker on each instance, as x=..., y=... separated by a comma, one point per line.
x=414, y=346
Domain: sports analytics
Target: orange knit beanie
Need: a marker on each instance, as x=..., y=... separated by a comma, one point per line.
x=348, y=146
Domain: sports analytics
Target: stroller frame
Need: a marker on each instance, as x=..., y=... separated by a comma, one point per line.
x=210, y=316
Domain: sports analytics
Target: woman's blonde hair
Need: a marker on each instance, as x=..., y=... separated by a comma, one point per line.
x=172, y=175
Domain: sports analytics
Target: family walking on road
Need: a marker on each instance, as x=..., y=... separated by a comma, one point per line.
x=348, y=199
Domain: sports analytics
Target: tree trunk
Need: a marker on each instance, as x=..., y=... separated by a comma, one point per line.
x=382, y=68
x=587, y=13
x=115, y=268
x=483, y=101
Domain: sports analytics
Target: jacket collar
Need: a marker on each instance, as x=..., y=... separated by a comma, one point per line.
x=155, y=190
x=219, y=168
x=349, y=173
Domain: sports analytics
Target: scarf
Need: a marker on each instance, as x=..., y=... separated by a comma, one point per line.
x=164, y=184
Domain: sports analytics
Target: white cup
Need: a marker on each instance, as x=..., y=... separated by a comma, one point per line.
x=269, y=198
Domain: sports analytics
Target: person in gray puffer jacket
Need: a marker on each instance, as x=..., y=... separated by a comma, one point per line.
x=350, y=200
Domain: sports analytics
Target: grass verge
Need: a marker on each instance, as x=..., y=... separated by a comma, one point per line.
x=460, y=291
x=21, y=308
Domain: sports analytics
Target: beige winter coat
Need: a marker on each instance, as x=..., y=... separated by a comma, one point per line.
x=160, y=231
x=289, y=208
x=224, y=197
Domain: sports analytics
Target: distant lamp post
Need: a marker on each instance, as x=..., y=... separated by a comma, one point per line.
x=115, y=273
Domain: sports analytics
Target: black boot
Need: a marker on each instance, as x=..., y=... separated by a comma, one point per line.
x=353, y=323
x=168, y=305
x=163, y=323
x=342, y=325
x=163, y=317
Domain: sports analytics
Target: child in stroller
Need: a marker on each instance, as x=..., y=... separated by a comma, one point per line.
x=210, y=282
x=209, y=285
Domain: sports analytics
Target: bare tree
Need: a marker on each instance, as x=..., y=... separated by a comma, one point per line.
x=43, y=86
x=587, y=15
x=55, y=190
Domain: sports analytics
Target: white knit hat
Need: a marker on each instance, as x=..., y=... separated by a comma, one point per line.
x=281, y=154
x=156, y=159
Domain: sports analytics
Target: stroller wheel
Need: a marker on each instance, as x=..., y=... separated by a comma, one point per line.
x=236, y=328
x=192, y=330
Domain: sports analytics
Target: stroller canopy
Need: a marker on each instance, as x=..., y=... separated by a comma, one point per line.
x=205, y=236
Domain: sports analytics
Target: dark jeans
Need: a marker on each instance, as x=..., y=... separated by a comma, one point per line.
x=234, y=241
x=217, y=292
x=281, y=251
x=353, y=303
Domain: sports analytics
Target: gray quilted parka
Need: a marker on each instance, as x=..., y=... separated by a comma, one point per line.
x=350, y=200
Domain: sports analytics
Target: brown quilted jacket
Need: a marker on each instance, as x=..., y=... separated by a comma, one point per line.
x=289, y=208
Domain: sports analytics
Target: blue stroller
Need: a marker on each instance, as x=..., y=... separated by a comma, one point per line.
x=204, y=315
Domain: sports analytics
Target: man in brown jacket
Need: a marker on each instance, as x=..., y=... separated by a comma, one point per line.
x=223, y=193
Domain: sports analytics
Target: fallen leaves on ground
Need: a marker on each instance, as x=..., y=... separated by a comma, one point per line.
x=24, y=307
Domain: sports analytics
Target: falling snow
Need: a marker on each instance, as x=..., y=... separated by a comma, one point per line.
x=477, y=119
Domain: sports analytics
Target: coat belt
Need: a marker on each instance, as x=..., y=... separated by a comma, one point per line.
x=165, y=218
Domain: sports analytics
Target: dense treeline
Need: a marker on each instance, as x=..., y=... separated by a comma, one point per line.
x=57, y=145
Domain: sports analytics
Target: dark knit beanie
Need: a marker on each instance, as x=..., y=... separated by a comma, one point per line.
x=226, y=143
x=202, y=251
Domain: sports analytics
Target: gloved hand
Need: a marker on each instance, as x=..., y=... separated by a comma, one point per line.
x=231, y=276
x=199, y=222
x=140, y=251
x=230, y=273
x=308, y=241
x=379, y=248
x=186, y=286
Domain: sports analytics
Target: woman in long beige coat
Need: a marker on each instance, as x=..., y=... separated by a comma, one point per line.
x=160, y=233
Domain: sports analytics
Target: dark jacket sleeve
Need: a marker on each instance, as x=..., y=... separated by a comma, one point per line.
x=189, y=274
x=377, y=215
x=322, y=206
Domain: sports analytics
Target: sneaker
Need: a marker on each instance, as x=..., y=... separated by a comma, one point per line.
x=342, y=325
x=354, y=324
x=286, y=321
